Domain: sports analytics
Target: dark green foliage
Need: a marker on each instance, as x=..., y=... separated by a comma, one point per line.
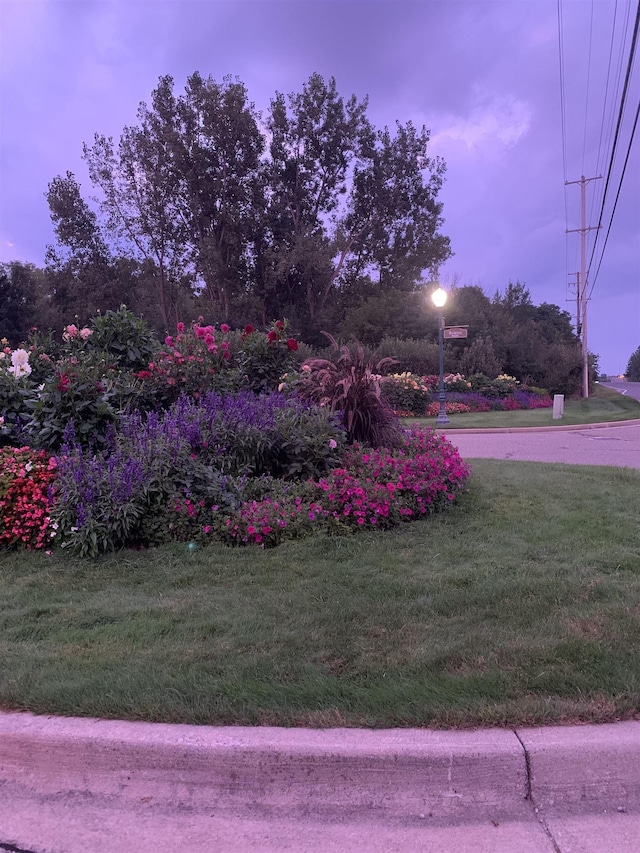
x=266, y=357
x=633, y=367
x=125, y=339
x=479, y=357
x=17, y=301
x=416, y=356
x=79, y=390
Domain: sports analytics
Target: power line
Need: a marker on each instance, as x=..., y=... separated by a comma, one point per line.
x=604, y=106
x=624, y=168
x=586, y=100
x=623, y=99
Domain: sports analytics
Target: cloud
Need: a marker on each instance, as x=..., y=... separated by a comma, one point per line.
x=495, y=121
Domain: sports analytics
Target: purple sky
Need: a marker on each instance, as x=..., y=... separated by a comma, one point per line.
x=482, y=75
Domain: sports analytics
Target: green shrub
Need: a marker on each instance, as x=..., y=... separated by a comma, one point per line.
x=265, y=357
x=419, y=357
x=126, y=340
x=406, y=392
x=80, y=390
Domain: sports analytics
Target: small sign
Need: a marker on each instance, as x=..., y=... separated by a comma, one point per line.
x=455, y=331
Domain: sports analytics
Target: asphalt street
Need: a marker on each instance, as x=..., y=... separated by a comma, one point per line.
x=609, y=444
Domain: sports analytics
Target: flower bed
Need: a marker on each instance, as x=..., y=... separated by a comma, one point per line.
x=371, y=489
x=132, y=447
x=415, y=396
x=26, y=477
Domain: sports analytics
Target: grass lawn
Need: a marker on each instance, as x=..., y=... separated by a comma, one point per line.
x=521, y=605
x=603, y=405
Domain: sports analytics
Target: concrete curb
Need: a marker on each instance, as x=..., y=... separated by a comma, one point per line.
x=330, y=773
x=453, y=777
x=584, y=769
x=566, y=428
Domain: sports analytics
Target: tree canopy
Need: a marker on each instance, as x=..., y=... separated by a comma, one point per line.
x=258, y=216
x=633, y=367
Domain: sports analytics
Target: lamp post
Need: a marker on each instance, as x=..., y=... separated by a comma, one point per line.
x=439, y=298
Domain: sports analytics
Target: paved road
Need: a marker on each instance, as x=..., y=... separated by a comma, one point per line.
x=617, y=445
x=631, y=389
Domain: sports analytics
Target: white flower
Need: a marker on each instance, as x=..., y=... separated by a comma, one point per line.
x=19, y=363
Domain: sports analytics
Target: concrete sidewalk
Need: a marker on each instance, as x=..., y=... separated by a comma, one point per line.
x=72, y=785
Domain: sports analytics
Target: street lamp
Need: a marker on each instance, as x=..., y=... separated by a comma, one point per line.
x=439, y=298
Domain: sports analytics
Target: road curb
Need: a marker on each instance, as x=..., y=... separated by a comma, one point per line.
x=565, y=428
x=389, y=775
x=400, y=775
x=584, y=769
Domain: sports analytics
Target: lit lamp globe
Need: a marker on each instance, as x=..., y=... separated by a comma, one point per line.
x=439, y=297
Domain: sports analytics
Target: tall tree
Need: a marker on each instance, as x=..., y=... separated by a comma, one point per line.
x=290, y=216
x=139, y=187
x=633, y=367
x=18, y=298
x=346, y=201
x=217, y=146
x=393, y=220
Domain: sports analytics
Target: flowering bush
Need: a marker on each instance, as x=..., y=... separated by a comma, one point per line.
x=26, y=477
x=190, y=362
x=161, y=474
x=81, y=389
x=371, y=489
x=433, y=409
x=406, y=392
x=265, y=357
x=14, y=387
x=481, y=402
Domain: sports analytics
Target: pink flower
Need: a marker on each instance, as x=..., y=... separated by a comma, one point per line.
x=224, y=328
x=180, y=328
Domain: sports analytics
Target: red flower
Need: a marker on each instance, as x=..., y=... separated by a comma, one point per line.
x=248, y=330
x=272, y=337
x=292, y=344
x=280, y=325
x=63, y=382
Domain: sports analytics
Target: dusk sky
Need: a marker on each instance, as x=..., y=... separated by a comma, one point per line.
x=482, y=75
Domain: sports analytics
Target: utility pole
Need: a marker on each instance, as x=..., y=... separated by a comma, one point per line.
x=578, y=321
x=582, y=284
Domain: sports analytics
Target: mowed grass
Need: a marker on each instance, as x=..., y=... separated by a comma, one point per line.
x=521, y=605
x=603, y=406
